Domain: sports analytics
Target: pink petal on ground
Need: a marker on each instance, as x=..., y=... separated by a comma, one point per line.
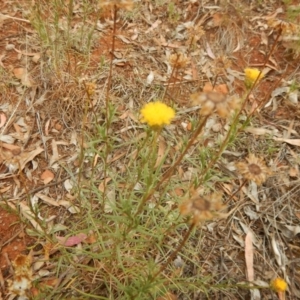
x=72, y=240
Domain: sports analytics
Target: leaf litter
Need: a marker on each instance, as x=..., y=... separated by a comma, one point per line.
x=152, y=43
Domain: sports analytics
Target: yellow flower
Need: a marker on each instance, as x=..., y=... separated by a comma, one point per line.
x=278, y=284
x=251, y=74
x=157, y=114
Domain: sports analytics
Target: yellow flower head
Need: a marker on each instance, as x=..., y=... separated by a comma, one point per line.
x=278, y=284
x=157, y=114
x=251, y=74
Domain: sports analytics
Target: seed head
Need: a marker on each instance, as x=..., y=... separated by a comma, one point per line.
x=178, y=60
x=221, y=63
x=22, y=280
x=254, y=169
x=287, y=28
x=22, y=264
x=90, y=88
x=202, y=208
x=214, y=101
x=195, y=32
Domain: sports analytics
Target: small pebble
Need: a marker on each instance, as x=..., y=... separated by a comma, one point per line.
x=9, y=47
x=21, y=235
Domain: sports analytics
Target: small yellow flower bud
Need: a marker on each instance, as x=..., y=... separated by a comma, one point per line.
x=251, y=75
x=278, y=284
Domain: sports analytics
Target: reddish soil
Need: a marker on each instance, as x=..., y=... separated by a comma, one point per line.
x=13, y=239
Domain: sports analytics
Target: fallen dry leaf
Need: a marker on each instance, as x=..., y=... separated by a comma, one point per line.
x=162, y=145
x=36, y=57
x=22, y=74
x=7, y=139
x=2, y=119
x=1, y=56
x=103, y=183
x=276, y=250
x=295, y=142
x=195, y=75
x=294, y=172
x=124, y=115
x=26, y=157
x=69, y=206
x=15, y=150
x=28, y=214
x=259, y=131
x=68, y=184
x=26, y=53
x=178, y=192
x=47, y=127
x=249, y=256
x=47, y=199
x=72, y=240
x=5, y=189
x=18, y=162
x=91, y=239
x=209, y=51
x=154, y=25
x=217, y=19
x=150, y=78
x=55, y=156
x=47, y=176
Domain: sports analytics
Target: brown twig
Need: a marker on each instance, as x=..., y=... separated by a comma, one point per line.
x=240, y=187
x=42, y=188
x=176, y=251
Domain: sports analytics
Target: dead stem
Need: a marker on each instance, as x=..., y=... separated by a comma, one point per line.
x=240, y=187
x=174, y=72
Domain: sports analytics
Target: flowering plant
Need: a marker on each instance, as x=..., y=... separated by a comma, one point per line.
x=157, y=114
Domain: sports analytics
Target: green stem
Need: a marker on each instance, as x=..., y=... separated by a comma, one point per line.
x=175, y=252
x=170, y=171
x=235, y=121
x=107, y=116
